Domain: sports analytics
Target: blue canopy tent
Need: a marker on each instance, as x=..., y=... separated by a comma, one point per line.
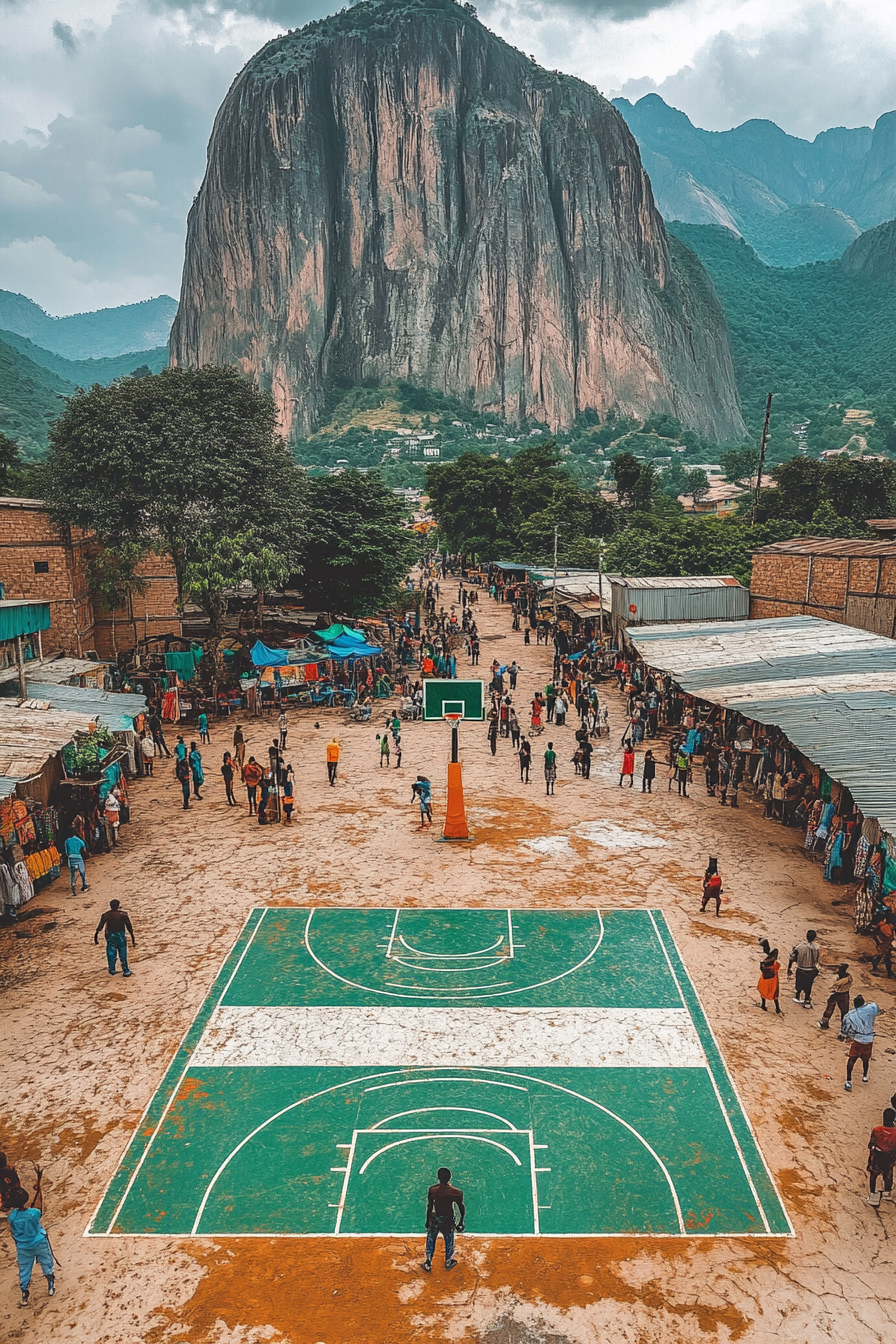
x=262, y=656
x=342, y=649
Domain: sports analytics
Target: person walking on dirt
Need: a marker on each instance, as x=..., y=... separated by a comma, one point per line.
x=198, y=778
x=227, y=773
x=155, y=728
x=384, y=749
x=493, y=733
x=75, y=849
x=882, y=1157
x=32, y=1242
x=332, y=761
x=421, y=789
x=712, y=887
x=628, y=766
x=550, y=770
x=805, y=957
x=184, y=775
x=648, y=774
x=283, y=725
x=525, y=755
x=239, y=747
x=858, y=1027
x=117, y=925
x=204, y=735
x=440, y=1202
x=252, y=773
x=838, y=997
x=769, y=980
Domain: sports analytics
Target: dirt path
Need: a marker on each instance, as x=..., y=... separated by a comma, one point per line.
x=84, y=1054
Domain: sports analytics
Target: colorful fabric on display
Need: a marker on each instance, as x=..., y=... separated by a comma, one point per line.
x=170, y=709
x=184, y=664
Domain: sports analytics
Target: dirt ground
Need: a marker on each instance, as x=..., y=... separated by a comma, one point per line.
x=83, y=1054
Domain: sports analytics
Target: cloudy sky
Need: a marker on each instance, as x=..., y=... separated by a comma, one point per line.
x=106, y=105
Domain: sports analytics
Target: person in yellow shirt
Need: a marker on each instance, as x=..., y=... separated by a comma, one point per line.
x=332, y=760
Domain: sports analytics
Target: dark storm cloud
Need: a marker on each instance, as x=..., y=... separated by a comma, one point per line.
x=65, y=36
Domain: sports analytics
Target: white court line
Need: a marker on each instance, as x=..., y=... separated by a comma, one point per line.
x=521, y=989
x=453, y=956
x=428, y=1110
x=733, y=1087
x=427, y=990
x=460, y=1134
x=536, y=1223
x=391, y=935
x=409, y=1082
x=510, y=932
x=186, y=1070
x=448, y=970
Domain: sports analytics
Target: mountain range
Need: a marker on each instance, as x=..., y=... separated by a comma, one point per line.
x=793, y=200
x=99, y=335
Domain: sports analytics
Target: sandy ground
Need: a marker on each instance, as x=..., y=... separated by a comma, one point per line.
x=83, y=1054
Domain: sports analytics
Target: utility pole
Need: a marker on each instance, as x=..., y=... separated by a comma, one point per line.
x=600, y=587
x=556, y=530
x=768, y=411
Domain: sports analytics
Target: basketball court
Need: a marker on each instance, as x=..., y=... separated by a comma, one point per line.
x=559, y=1062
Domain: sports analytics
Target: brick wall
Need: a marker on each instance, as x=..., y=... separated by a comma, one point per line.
x=857, y=591
x=29, y=541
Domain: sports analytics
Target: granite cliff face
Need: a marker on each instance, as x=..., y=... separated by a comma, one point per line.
x=395, y=192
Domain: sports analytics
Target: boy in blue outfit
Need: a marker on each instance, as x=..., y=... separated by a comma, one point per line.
x=30, y=1238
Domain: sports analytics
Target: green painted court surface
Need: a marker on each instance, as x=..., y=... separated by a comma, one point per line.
x=559, y=1062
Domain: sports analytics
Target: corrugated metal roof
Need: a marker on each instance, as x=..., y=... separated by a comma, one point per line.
x=116, y=710
x=23, y=618
x=693, y=581
x=830, y=688
x=60, y=671
x=830, y=546
x=29, y=737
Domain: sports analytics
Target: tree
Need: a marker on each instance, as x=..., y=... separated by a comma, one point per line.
x=739, y=465
x=173, y=459
x=697, y=484
x=10, y=464
x=355, y=551
x=222, y=563
x=626, y=470
x=112, y=580
x=645, y=488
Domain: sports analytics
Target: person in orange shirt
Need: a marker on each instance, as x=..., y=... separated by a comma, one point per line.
x=332, y=760
x=252, y=773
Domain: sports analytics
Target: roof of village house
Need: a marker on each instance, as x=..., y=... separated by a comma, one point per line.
x=677, y=581
x=830, y=688
x=834, y=546
x=30, y=736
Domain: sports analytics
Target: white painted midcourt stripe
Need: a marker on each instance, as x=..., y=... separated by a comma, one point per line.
x=450, y=1037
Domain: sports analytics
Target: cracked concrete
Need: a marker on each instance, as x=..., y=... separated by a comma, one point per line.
x=84, y=1054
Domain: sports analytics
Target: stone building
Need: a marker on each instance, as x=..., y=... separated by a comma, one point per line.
x=851, y=582
x=40, y=562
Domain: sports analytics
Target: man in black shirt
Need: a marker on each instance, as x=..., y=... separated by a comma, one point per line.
x=117, y=926
x=440, y=1203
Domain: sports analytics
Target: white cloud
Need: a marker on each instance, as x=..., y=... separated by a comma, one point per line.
x=107, y=105
x=62, y=284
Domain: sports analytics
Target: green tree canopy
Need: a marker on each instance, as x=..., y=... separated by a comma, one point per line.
x=169, y=460
x=355, y=552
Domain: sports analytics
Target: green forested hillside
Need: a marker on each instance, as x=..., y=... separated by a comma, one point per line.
x=86, y=372
x=822, y=340
x=30, y=397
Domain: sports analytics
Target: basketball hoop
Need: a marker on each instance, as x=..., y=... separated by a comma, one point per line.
x=452, y=716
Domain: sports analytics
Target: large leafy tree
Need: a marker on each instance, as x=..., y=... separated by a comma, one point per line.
x=169, y=460
x=355, y=551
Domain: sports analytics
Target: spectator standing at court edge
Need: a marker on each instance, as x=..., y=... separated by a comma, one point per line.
x=858, y=1027
x=184, y=775
x=117, y=926
x=882, y=1157
x=239, y=747
x=251, y=774
x=805, y=957
x=838, y=997
x=649, y=773
x=440, y=1202
x=75, y=849
x=332, y=760
x=283, y=725
x=628, y=767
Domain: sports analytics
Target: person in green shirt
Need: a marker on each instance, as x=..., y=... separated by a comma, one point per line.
x=203, y=728
x=550, y=695
x=550, y=769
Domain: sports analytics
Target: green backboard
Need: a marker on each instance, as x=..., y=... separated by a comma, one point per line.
x=453, y=697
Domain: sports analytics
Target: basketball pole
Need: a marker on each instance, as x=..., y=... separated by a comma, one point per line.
x=455, y=827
